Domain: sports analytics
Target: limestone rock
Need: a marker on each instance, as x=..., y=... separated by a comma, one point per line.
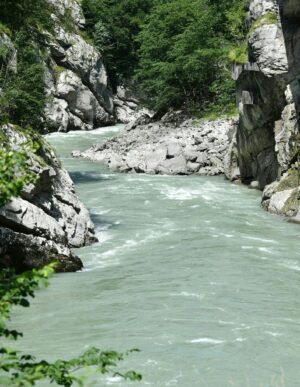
x=48, y=219
x=75, y=78
x=75, y=10
x=175, y=166
x=127, y=105
x=11, y=52
x=266, y=144
x=23, y=216
x=164, y=147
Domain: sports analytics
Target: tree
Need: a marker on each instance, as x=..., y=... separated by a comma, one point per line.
x=114, y=26
x=180, y=54
x=183, y=54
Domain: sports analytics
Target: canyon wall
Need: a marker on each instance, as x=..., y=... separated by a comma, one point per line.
x=75, y=80
x=267, y=142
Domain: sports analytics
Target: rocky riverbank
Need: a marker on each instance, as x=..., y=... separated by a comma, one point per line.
x=167, y=147
x=48, y=219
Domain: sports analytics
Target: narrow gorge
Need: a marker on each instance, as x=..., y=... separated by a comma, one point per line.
x=151, y=150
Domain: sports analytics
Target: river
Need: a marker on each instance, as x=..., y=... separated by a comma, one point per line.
x=190, y=270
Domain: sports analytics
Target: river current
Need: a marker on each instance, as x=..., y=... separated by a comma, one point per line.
x=190, y=270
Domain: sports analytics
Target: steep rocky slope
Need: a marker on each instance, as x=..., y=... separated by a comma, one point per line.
x=268, y=94
x=48, y=219
x=76, y=80
x=78, y=93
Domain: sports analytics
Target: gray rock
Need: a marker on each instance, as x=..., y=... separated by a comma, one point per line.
x=193, y=167
x=202, y=159
x=75, y=80
x=175, y=166
x=231, y=167
x=279, y=201
x=127, y=106
x=11, y=53
x=48, y=218
x=191, y=153
x=155, y=158
x=266, y=143
x=76, y=153
x=73, y=8
x=174, y=149
x=23, y=216
x=166, y=148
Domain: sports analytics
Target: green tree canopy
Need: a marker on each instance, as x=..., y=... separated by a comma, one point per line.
x=114, y=25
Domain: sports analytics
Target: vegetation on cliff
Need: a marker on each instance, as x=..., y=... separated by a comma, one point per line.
x=22, y=96
x=178, y=51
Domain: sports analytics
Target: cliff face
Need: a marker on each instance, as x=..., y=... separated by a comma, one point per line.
x=268, y=96
x=48, y=219
x=75, y=79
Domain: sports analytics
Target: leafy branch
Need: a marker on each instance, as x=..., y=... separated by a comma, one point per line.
x=19, y=369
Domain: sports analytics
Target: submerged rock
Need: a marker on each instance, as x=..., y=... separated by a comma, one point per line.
x=48, y=219
x=167, y=147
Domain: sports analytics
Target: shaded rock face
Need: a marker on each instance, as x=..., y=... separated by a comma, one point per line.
x=268, y=94
x=75, y=79
x=48, y=219
x=165, y=147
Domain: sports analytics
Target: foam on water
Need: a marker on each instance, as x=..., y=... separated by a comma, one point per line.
x=181, y=193
x=187, y=294
x=274, y=334
x=103, y=236
x=206, y=340
x=260, y=239
x=100, y=211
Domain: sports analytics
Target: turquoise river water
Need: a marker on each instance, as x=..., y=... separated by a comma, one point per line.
x=190, y=270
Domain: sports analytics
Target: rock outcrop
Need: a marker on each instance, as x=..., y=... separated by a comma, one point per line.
x=268, y=93
x=128, y=106
x=79, y=96
x=75, y=79
x=165, y=147
x=48, y=219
